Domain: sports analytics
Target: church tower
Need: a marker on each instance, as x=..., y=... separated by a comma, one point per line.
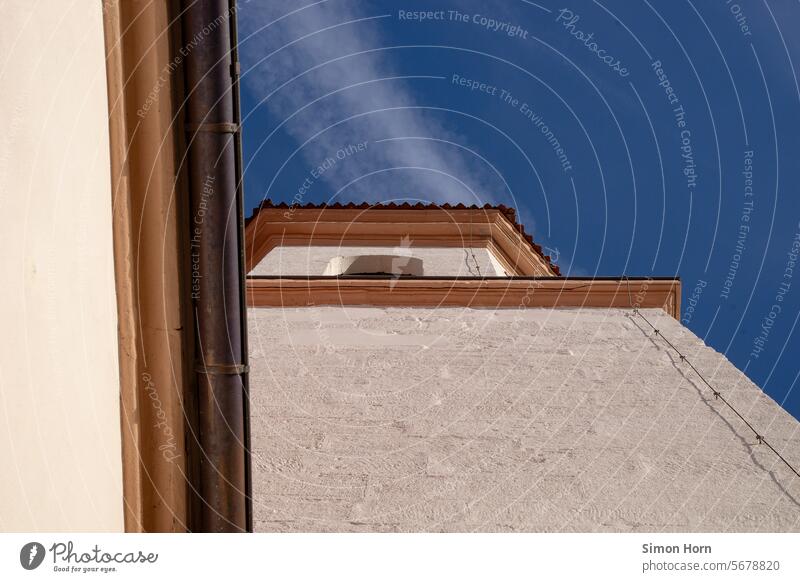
x=427, y=368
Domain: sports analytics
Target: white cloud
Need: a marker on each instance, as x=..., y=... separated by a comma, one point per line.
x=295, y=45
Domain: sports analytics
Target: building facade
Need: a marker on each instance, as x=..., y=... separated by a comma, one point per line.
x=480, y=391
x=112, y=409
x=412, y=368
x=59, y=368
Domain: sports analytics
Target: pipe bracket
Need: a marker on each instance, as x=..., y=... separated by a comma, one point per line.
x=213, y=127
x=222, y=369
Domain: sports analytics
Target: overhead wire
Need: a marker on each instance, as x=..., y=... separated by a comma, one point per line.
x=760, y=438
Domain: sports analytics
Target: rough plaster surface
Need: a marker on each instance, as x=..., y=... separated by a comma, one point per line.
x=444, y=261
x=397, y=419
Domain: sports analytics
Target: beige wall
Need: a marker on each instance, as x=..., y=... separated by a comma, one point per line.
x=60, y=464
x=441, y=261
x=452, y=419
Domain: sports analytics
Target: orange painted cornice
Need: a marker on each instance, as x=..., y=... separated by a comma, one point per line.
x=395, y=225
x=465, y=292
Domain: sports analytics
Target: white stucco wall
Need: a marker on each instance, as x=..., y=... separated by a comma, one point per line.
x=60, y=454
x=375, y=419
x=443, y=261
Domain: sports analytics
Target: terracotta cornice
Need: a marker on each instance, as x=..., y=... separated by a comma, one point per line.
x=513, y=292
x=392, y=225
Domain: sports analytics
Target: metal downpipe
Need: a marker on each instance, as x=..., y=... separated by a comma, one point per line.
x=216, y=265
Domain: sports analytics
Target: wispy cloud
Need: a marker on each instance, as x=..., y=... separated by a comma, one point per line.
x=319, y=73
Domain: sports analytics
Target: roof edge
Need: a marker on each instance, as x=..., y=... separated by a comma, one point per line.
x=510, y=214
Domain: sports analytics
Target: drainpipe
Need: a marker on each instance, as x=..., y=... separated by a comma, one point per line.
x=217, y=265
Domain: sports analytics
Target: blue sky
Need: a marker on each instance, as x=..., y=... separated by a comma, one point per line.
x=638, y=137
